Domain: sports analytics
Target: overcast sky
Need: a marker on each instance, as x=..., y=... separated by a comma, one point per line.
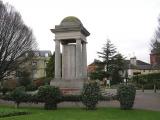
x=129, y=24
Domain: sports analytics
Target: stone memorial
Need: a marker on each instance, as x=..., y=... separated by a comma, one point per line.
x=71, y=64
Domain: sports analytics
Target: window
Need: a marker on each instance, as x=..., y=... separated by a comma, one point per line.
x=46, y=54
x=36, y=53
x=34, y=64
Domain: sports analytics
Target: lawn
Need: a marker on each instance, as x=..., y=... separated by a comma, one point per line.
x=6, y=112
x=81, y=114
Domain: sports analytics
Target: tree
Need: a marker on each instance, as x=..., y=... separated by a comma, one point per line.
x=15, y=40
x=117, y=67
x=117, y=62
x=114, y=62
x=50, y=67
x=155, y=42
x=24, y=78
x=155, y=45
x=108, y=51
x=18, y=95
x=97, y=75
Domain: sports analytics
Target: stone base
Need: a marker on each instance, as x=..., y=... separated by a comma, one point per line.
x=69, y=87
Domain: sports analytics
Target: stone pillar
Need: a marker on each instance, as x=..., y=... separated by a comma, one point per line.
x=84, y=60
x=63, y=62
x=78, y=59
x=57, y=59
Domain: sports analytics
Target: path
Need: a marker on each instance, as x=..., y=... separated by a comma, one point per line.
x=147, y=100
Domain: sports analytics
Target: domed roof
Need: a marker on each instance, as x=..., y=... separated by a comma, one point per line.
x=70, y=20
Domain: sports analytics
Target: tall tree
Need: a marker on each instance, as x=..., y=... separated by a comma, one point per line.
x=114, y=62
x=155, y=42
x=108, y=51
x=118, y=66
x=15, y=39
x=118, y=62
x=50, y=67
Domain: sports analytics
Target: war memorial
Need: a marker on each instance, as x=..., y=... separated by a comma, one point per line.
x=71, y=63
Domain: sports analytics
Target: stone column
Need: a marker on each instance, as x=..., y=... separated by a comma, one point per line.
x=78, y=59
x=63, y=62
x=57, y=59
x=84, y=60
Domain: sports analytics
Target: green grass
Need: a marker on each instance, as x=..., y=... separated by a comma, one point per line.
x=6, y=112
x=81, y=114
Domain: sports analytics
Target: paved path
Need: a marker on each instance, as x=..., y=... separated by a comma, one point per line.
x=147, y=100
x=144, y=100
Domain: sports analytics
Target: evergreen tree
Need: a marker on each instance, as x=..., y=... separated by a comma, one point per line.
x=117, y=67
x=50, y=67
x=108, y=51
x=117, y=62
x=114, y=63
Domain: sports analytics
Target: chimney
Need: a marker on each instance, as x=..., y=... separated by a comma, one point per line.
x=133, y=61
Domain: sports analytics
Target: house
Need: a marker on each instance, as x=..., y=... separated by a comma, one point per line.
x=36, y=66
x=133, y=67
x=94, y=66
x=38, y=63
x=136, y=67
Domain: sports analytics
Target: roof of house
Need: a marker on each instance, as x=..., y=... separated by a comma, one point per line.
x=141, y=65
x=97, y=62
x=42, y=53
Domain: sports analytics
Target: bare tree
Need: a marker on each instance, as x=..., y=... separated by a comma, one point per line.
x=16, y=39
x=155, y=42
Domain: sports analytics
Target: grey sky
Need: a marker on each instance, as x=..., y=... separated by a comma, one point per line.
x=129, y=24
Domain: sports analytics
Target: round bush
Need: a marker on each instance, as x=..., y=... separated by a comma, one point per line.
x=18, y=95
x=126, y=96
x=50, y=95
x=90, y=95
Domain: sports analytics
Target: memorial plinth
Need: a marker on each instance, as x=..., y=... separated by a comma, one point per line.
x=71, y=71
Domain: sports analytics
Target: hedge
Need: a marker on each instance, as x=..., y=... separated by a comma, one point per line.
x=126, y=96
x=90, y=95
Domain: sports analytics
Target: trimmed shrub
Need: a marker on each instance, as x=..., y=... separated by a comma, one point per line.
x=34, y=98
x=90, y=95
x=126, y=96
x=18, y=95
x=50, y=95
